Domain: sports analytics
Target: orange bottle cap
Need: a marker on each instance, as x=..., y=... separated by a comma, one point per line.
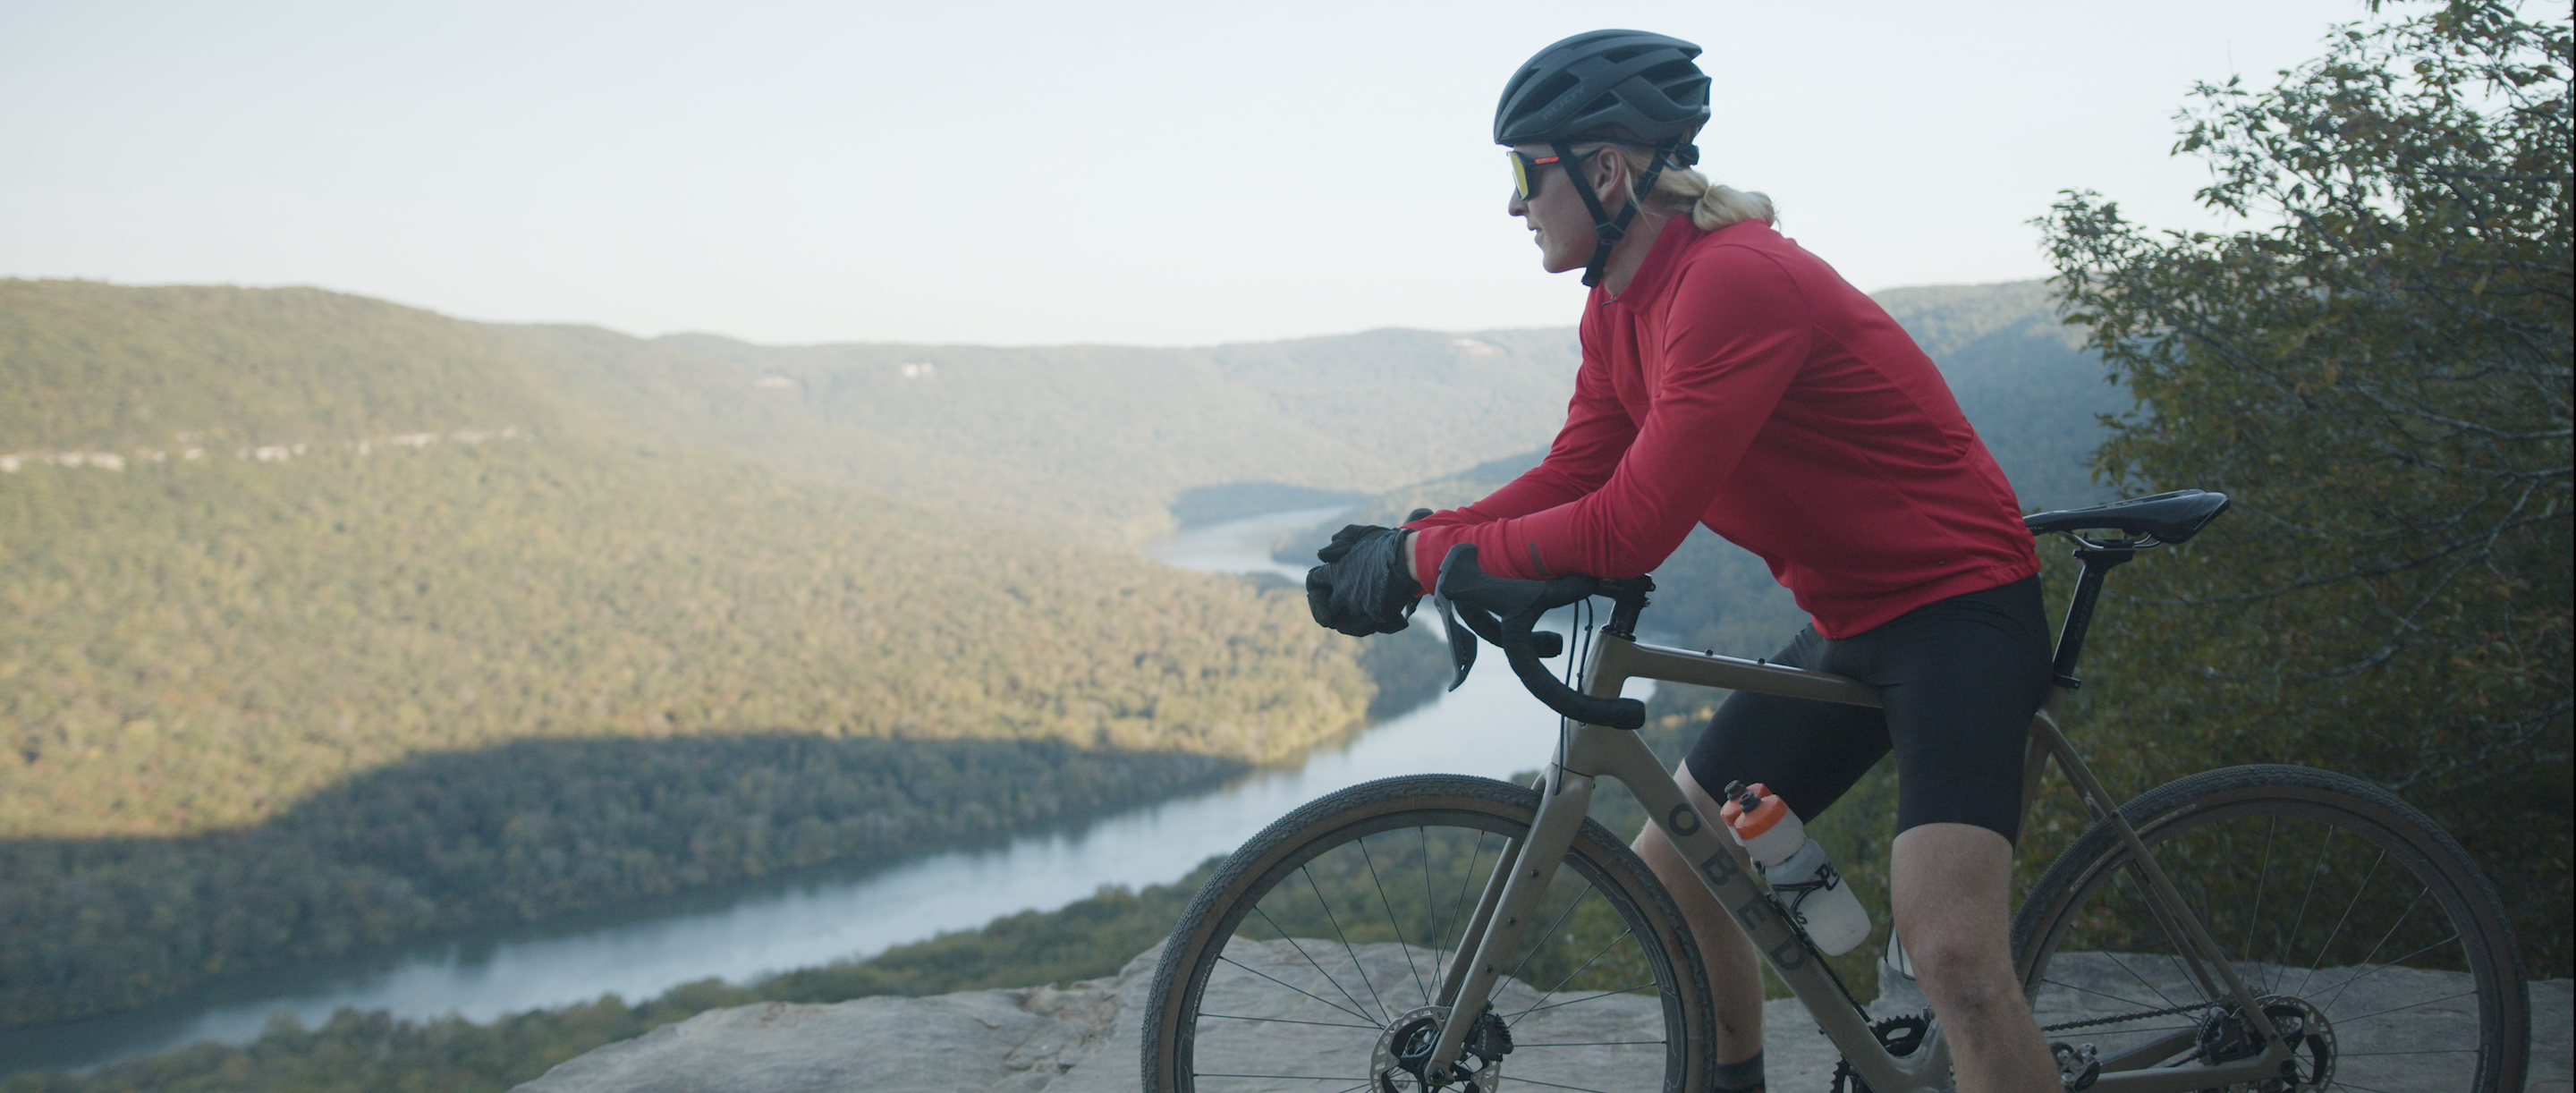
x=1732, y=805
x=1763, y=817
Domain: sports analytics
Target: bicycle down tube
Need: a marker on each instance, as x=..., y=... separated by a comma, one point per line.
x=1590, y=752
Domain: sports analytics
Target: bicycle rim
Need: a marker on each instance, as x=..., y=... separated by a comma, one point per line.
x=1321, y=944
x=2377, y=948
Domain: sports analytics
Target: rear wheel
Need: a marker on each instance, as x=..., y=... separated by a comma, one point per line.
x=1313, y=959
x=2373, y=942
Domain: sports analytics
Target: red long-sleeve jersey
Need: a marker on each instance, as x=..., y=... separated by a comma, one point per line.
x=1740, y=383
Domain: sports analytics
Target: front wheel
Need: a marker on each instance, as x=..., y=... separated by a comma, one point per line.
x=1314, y=958
x=2372, y=942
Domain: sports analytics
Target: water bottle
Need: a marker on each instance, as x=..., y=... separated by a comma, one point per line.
x=1802, y=882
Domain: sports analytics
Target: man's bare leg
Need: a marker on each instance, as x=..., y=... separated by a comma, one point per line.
x=1734, y=972
x=1952, y=889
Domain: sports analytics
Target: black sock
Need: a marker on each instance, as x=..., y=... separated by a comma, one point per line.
x=1743, y=1077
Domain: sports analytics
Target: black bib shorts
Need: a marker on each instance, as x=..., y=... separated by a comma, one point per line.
x=1960, y=679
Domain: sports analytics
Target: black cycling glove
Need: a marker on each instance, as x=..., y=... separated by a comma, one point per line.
x=1365, y=585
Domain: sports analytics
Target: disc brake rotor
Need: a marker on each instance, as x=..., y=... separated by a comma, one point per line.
x=1403, y=1056
x=2226, y=1037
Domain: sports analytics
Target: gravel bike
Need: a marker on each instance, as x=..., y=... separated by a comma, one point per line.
x=2271, y=928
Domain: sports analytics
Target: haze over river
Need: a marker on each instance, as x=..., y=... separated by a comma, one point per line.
x=738, y=932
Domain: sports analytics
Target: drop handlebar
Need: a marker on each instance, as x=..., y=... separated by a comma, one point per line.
x=1476, y=604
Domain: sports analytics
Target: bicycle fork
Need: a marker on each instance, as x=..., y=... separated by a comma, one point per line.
x=1511, y=895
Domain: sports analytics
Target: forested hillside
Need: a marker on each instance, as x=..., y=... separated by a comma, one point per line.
x=1092, y=441
x=257, y=544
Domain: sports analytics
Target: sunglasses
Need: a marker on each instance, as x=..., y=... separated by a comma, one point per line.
x=1525, y=171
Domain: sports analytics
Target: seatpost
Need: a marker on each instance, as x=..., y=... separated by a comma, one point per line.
x=2079, y=611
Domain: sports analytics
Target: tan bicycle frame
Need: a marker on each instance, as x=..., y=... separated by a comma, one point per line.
x=1587, y=753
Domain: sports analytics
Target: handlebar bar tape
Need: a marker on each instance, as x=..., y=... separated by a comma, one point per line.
x=1503, y=611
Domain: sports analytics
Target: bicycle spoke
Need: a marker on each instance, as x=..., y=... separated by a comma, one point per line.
x=1364, y=1082
x=1535, y=943
x=1390, y=920
x=2167, y=999
x=2347, y=983
x=1287, y=1020
x=1458, y=913
x=1516, y=1045
x=2281, y=953
x=2347, y=1022
x=1591, y=997
x=2142, y=894
x=2138, y=1002
x=2262, y=884
x=1357, y=968
x=2358, y=891
x=2402, y=916
x=1319, y=968
x=1295, y=987
x=1569, y=976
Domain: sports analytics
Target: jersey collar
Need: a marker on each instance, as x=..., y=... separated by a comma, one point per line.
x=1678, y=234
x=1664, y=260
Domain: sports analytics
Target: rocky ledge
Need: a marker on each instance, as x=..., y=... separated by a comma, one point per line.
x=1082, y=1038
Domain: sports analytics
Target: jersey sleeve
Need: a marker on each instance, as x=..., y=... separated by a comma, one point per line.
x=1737, y=331
x=1585, y=453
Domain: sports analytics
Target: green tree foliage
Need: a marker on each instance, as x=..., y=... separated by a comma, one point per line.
x=2379, y=373
x=198, y=646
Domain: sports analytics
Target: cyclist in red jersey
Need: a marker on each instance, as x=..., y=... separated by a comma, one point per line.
x=1731, y=379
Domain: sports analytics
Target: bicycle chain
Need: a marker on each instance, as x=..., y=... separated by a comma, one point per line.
x=2166, y=1012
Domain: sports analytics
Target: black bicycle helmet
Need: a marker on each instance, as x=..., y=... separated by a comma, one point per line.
x=1608, y=84
x=1602, y=81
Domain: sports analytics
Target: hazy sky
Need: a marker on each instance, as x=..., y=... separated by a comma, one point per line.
x=1035, y=173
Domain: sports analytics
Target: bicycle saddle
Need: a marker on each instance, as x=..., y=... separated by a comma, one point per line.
x=2161, y=518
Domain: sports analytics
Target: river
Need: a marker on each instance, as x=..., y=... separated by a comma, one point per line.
x=739, y=932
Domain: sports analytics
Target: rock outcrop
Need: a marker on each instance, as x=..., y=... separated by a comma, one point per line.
x=1083, y=1038
x=1021, y=1040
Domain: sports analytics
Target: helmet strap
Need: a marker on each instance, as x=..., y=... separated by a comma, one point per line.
x=1607, y=230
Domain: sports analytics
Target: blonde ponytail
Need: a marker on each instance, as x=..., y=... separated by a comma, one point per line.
x=1679, y=188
